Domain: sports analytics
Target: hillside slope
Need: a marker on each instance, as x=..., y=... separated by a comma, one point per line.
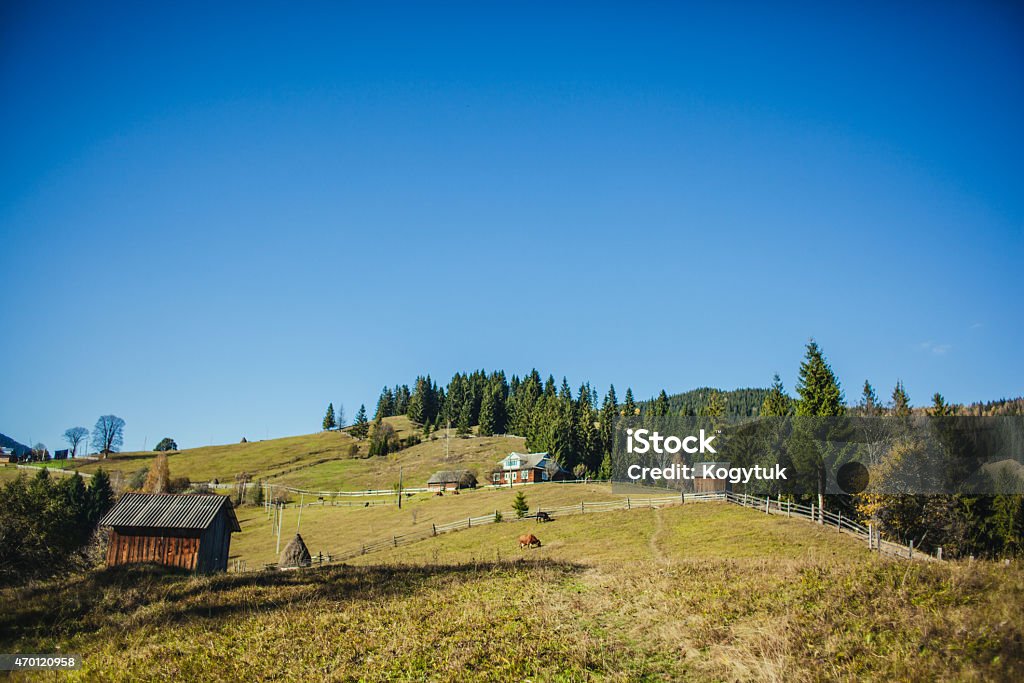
x=320, y=461
x=698, y=592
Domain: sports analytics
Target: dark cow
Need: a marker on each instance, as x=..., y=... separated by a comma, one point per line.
x=529, y=541
x=543, y=517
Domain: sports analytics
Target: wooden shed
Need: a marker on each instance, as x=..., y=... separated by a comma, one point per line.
x=187, y=531
x=451, y=480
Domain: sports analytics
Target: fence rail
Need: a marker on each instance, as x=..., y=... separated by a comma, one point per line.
x=774, y=507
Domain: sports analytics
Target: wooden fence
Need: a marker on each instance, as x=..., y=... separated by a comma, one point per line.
x=810, y=513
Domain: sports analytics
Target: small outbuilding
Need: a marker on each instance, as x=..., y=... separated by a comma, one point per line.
x=451, y=480
x=178, y=530
x=705, y=479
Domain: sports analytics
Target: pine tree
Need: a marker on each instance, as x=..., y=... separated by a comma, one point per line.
x=628, y=405
x=715, y=405
x=661, y=405
x=606, y=422
x=463, y=427
x=100, y=496
x=776, y=403
x=900, y=401
x=519, y=505
x=487, y=413
x=939, y=406
x=868, y=401
x=818, y=387
x=385, y=405
x=329, y=421
x=361, y=427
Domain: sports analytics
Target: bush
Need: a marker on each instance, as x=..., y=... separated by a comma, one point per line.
x=47, y=525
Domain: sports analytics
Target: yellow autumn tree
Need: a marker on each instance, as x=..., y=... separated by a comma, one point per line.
x=158, y=480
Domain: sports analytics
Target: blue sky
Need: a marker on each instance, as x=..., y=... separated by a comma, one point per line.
x=213, y=221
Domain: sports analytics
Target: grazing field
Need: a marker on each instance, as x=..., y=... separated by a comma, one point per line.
x=331, y=530
x=320, y=461
x=697, y=592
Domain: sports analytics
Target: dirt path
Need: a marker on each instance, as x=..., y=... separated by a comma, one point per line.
x=653, y=543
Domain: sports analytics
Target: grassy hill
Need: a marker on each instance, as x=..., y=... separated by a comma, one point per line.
x=331, y=530
x=698, y=592
x=320, y=461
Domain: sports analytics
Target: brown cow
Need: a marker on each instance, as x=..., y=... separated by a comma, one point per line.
x=529, y=541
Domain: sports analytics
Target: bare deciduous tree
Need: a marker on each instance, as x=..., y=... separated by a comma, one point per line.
x=108, y=434
x=74, y=437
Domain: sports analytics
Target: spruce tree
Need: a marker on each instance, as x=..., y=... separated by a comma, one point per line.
x=100, y=496
x=776, y=403
x=820, y=395
x=628, y=405
x=939, y=406
x=329, y=422
x=487, y=416
x=606, y=421
x=868, y=401
x=661, y=405
x=361, y=426
x=519, y=505
x=818, y=387
x=900, y=401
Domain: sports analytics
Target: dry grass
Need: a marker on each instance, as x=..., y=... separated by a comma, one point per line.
x=321, y=461
x=701, y=592
x=334, y=529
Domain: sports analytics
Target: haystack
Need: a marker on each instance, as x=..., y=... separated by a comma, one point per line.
x=295, y=554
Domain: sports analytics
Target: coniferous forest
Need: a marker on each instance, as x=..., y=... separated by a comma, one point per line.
x=577, y=426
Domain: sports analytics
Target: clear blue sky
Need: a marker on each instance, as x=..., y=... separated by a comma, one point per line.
x=213, y=221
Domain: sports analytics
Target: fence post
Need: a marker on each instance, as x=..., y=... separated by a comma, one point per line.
x=627, y=503
x=812, y=512
x=682, y=497
x=871, y=535
x=433, y=529
x=789, y=508
x=767, y=502
x=469, y=523
x=910, y=550
x=939, y=553
x=582, y=509
x=394, y=539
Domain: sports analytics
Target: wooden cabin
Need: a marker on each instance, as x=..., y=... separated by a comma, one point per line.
x=710, y=484
x=451, y=480
x=178, y=530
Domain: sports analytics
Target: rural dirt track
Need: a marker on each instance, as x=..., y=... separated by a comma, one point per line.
x=653, y=543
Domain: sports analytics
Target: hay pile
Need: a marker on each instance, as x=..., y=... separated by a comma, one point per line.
x=295, y=554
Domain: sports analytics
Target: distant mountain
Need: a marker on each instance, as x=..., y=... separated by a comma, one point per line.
x=20, y=449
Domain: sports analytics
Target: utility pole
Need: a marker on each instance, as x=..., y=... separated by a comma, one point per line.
x=280, y=518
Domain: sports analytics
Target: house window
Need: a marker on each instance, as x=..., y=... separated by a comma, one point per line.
x=544, y=475
x=496, y=477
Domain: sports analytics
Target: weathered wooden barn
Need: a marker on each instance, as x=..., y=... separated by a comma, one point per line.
x=179, y=530
x=705, y=481
x=451, y=480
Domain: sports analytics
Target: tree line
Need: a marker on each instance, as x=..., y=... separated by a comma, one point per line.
x=48, y=525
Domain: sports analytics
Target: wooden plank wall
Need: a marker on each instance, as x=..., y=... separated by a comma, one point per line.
x=175, y=551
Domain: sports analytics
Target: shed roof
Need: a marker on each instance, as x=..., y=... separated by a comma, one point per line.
x=169, y=511
x=450, y=476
